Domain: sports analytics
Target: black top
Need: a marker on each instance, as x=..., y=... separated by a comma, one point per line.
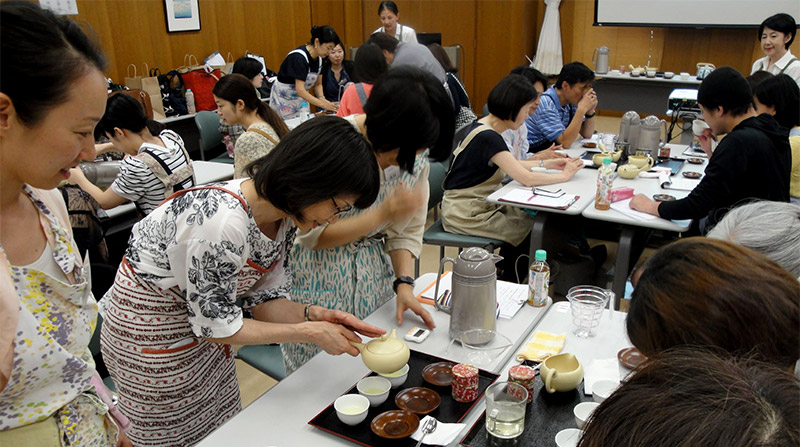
x=473, y=166
x=295, y=66
x=330, y=86
x=752, y=162
x=460, y=98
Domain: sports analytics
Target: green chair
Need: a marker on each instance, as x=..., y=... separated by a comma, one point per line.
x=266, y=358
x=210, y=137
x=94, y=348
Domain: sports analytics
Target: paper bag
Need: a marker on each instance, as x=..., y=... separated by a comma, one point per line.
x=150, y=85
x=228, y=65
x=133, y=82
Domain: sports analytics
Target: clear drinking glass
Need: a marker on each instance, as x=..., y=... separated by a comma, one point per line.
x=586, y=304
x=505, y=409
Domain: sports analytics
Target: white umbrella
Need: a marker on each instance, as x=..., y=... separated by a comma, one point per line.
x=549, y=59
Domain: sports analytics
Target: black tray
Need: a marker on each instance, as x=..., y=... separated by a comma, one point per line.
x=545, y=416
x=449, y=410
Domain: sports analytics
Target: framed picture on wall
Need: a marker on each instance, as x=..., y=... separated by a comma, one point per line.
x=182, y=15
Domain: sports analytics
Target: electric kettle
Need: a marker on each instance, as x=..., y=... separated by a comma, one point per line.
x=474, y=294
x=650, y=134
x=601, y=64
x=704, y=69
x=629, y=130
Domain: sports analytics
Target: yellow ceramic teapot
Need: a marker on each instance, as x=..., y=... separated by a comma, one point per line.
x=640, y=161
x=630, y=171
x=384, y=355
x=597, y=159
x=562, y=372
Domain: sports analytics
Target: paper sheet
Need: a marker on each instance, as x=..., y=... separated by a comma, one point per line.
x=624, y=207
x=510, y=298
x=524, y=196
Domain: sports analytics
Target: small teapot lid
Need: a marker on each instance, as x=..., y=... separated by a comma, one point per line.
x=476, y=261
x=386, y=345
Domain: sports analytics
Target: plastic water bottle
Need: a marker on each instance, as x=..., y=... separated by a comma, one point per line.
x=305, y=112
x=539, y=280
x=602, y=199
x=190, y=101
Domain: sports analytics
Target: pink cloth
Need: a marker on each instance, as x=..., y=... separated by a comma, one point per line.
x=350, y=103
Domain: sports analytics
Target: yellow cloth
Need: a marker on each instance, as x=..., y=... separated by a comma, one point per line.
x=794, y=185
x=541, y=346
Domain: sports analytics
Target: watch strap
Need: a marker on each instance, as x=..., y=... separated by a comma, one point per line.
x=402, y=280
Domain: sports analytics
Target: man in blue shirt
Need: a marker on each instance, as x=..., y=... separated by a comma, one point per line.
x=566, y=109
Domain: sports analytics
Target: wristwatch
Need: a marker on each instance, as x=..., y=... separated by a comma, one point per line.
x=402, y=280
x=590, y=115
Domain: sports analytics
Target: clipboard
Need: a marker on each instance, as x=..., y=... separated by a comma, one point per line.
x=445, y=281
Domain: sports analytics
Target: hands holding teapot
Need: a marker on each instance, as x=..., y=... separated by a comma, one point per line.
x=333, y=330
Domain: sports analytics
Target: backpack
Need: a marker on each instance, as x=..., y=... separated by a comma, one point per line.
x=171, y=85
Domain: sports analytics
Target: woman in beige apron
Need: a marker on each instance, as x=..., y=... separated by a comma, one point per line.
x=48, y=392
x=300, y=73
x=207, y=253
x=481, y=161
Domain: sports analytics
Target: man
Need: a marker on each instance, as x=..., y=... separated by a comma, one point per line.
x=566, y=110
x=408, y=53
x=752, y=162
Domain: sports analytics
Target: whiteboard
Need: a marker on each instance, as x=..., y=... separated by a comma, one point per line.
x=691, y=13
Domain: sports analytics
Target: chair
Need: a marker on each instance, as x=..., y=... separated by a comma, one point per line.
x=210, y=136
x=266, y=358
x=436, y=235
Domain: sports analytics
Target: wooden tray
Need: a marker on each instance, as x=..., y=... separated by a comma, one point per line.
x=449, y=410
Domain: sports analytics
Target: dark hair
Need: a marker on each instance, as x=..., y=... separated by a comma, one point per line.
x=369, y=63
x=235, y=87
x=388, y=5
x=727, y=88
x=409, y=109
x=532, y=74
x=325, y=34
x=247, y=67
x=384, y=42
x=442, y=57
x=756, y=77
x=125, y=112
x=689, y=397
x=509, y=95
x=707, y=292
x=781, y=92
x=573, y=73
x=42, y=55
x=782, y=23
x=322, y=158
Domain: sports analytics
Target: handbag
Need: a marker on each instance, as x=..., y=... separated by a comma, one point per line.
x=171, y=86
x=201, y=79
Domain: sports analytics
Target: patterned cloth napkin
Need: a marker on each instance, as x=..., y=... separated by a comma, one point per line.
x=541, y=346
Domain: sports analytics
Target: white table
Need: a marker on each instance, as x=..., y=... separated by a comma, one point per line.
x=280, y=416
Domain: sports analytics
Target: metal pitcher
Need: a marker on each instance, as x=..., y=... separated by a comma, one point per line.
x=474, y=294
x=629, y=130
x=650, y=134
x=601, y=64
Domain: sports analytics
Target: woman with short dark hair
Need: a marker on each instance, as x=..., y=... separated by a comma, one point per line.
x=712, y=293
x=776, y=34
x=337, y=72
x=369, y=66
x=207, y=254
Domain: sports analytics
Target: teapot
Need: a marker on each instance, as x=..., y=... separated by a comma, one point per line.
x=601, y=64
x=640, y=161
x=597, y=159
x=384, y=355
x=630, y=170
x=474, y=294
x=704, y=69
x=562, y=372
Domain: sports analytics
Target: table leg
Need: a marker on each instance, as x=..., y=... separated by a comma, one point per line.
x=537, y=234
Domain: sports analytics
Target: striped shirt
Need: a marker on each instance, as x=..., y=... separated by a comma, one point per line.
x=137, y=183
x=549, y=120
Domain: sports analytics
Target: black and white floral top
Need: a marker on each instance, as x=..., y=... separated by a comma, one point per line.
x=206, y=244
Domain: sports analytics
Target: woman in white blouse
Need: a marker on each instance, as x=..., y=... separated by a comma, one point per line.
x=776, y=34
x=389, y=15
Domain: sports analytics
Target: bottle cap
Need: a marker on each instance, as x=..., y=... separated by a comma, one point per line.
x=188, y=90
x=541, y=255
x=606, y=161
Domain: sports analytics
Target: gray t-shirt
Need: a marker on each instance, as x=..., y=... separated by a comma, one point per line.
x=418, y=55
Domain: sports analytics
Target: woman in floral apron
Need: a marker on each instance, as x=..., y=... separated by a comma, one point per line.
x=50, y=394
x=206, y=254
x=358, y=264
x=300, y=73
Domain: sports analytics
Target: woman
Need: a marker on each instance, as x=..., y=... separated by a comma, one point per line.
x=49, y=106
x=193, y=258
x=359, y=263
x=779, y=96
x=336, y=73
x=464, y=113
x=299, y=74
x=238, y=104
x=252, y=70
x=712, y=293
x=389, y=15
x=158, y=164
x=776, y=34
x=369, y=66
x=482, y=159
x=692, y=397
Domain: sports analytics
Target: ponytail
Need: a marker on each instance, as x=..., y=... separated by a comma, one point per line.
x=267, y=114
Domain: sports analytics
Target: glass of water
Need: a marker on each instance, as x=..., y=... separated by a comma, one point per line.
x=505, y=409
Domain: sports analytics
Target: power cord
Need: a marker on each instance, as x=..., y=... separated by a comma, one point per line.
x=516, y=264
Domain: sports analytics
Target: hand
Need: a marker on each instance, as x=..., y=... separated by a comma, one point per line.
x=76, y=176
x=332, y=338
x=705, y=141
x=407, y=300
x=403, y=201
x=123, y=441
x=588, y=102
x=570, y=167
x=329, y=106
x=641, y=202
x=549, y=153
x=319, y=313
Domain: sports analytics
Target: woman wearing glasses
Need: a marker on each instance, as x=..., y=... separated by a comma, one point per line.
x=207, y=253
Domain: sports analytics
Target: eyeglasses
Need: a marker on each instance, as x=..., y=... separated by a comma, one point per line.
x=340, y=210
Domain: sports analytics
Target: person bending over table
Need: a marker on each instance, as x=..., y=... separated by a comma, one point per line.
x=695, y=397
x=779, y=96
x=369, y=66
x=360, y=262
x=173, y=311
x=158, y=164
x=251, y=69
x=237, y=103
x=566, y=110
x=389, y=15
x=49, y=107
x=300, y=74
x=713, y=293
x=400, y=54
x=482, y=159
x=776, y=34
x=752, y=162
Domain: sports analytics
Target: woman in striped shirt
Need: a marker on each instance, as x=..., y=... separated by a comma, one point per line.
x=158, y=164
